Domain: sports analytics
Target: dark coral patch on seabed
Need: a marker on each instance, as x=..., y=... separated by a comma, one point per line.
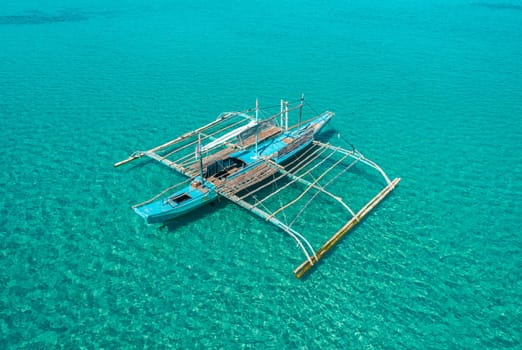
x=38, y=17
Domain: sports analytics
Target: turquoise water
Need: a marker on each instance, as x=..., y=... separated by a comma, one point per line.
x=431, y=90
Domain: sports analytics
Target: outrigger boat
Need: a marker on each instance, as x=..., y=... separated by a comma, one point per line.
x=202, y=189
x=239, y=155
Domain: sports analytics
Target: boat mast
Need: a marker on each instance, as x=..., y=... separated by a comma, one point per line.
x=257, y=127
x=198, y=155
x=286, y=115
x=281, y=114
x=300, y=111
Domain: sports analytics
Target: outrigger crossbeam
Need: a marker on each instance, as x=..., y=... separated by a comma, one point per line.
x=306, y=265
x=295, y=173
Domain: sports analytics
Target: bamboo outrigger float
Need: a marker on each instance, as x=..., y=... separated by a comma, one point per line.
x=243, y=158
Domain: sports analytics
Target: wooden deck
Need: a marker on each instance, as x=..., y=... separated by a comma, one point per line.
x=247, y=179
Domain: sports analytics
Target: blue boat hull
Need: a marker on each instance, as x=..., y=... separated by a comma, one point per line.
x=169, y=208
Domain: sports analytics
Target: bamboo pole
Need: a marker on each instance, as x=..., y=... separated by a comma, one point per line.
x=130, y=159
x=306, y=265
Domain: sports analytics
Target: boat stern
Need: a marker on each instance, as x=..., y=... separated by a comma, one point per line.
x=181, y=202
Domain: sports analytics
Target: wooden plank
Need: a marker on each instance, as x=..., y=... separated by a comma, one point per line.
x=307, y=264
x=263, y=135
x=247, y=179
x=221, y=154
